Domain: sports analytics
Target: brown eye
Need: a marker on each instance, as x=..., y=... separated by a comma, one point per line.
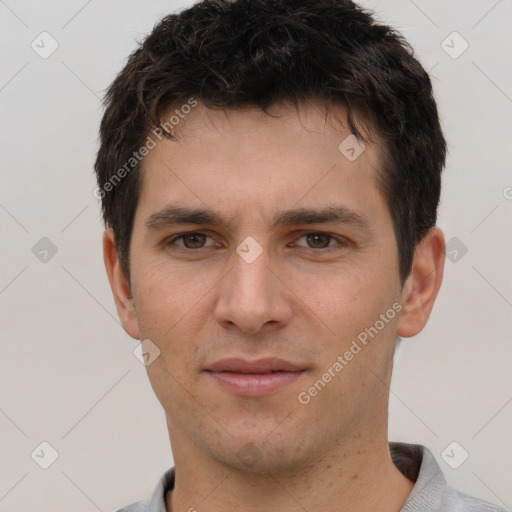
x=194, y=241
x=321, y=242
x=190, y=241
x=318, y=240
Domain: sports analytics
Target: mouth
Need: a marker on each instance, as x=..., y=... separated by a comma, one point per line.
x=254, y=378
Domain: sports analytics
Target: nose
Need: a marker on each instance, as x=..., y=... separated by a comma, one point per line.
x=253, y=295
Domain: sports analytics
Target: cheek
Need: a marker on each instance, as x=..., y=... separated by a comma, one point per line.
x=346, y=307
x=167, y=296
x=175, y=311
x=341, y=297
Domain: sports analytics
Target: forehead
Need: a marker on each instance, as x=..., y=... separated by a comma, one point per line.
x=254, y=162
x=312, y=120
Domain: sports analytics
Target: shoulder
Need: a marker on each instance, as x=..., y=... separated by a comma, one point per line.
x=134, y=507
x=456, y=501
x=431, y=492
x=156, y=502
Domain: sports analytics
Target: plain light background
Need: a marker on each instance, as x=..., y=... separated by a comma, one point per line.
x=68, y=375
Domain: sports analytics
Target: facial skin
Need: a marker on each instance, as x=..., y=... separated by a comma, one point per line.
x=305, y=299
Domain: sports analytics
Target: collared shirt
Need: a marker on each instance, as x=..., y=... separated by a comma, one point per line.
x=430, y=493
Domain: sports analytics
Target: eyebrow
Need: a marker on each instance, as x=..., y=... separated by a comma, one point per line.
x=173, y=215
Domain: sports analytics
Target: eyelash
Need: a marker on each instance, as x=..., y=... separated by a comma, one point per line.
x=341, y=241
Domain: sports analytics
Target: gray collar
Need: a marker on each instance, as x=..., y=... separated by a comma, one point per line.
x=430, y=492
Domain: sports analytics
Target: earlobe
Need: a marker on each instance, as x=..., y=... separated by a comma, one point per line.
x=422, y=286
x=120, y=286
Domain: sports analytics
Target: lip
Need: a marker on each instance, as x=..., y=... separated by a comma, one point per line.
x=265, y=365
x=254, y=378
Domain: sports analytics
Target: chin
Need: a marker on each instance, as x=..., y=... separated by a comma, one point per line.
x=265, y=457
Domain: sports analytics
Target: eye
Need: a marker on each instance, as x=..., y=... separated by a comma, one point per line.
x=320, y=240
x=191, y=241
x=314, y=240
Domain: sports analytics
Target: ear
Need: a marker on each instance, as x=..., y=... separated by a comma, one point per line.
x=421, y=287
x=120, y=286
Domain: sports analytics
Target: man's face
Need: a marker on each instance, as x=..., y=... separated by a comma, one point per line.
x=311, y=292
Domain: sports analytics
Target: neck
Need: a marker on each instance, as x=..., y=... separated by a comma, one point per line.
x=356, y=475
